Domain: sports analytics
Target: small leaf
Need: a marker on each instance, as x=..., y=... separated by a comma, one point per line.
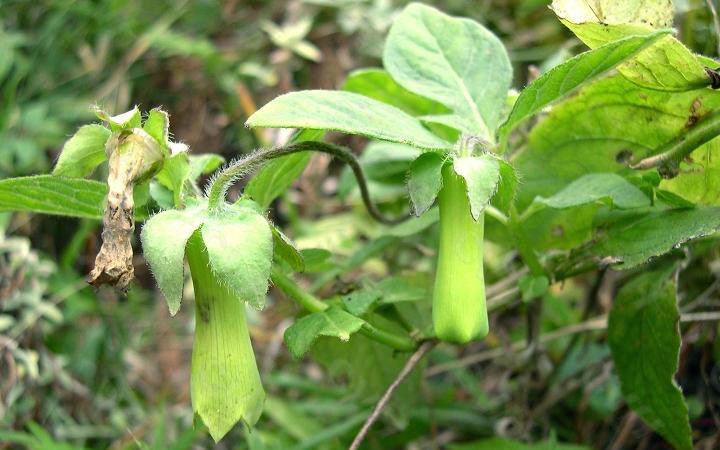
x=454, y=61
x=316, y=259
x=332, y=322
x=48, y=194
x=124, y=121
x=175, y=171
x=605, y=187
x=482, y=176
x=425, y=181
x=644, y=339
x=533, y=287
x=157, y=125
x=286, y=250
x=164, y=237
x=83, y=152
x=567, y=76
x=204, y=164
x=633, y=242
x=240, y=248
x=360, y=301
x=345, y=112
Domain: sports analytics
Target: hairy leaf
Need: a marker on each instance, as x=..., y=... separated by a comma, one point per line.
x=83, y=152
x=332, y=322
x=644, y=340
x=174, y=173
x=240, y=248
x=454, y=61
x=425, y=181
x=284, y=249
x=346, y=112
x=482, y=176
x=157, y=125
x=164, y=237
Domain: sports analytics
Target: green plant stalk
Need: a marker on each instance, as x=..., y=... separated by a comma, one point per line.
x=670, y=155
x=459, y=311
x=313, y=304
x=225, y=384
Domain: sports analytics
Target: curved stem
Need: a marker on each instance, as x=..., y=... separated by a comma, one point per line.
x=313, y=304
x=219, y=186
x=667, y=161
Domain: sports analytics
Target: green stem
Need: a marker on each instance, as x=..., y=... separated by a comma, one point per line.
x=313, y=304
x=668, y=160
x=219, y=186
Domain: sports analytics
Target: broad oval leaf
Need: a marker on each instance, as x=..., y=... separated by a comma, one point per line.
x=164, y=237
x=454, y=61
x=346, y=112
x=240, y=249
x=333, y=322
x=84, y=151
x=644, y=340
x=567, y=76
x=482, y=176
x=425, y=181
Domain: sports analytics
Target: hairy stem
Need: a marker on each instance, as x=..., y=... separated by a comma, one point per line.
x=220, y=185
x=313, y=304
x=667, y=161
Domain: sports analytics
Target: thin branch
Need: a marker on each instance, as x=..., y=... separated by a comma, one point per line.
x=409, y=366
x=220, y=184
x=668, y=159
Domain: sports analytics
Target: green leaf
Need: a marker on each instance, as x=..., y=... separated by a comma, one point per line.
x=124, y=121
x=379, y=85
x=425, y=181
x=644, y=339
x=597, y=187
x=482, y=176
x=164, y=237
x=204, y=164
x=632, y=242
x=332, y=322
x=507, y=187
x=175, y=171
x=533, y=287
x=360, y=301
x=699, y=179
x=157, y=125
x=48, y=194
x=566, y=77
x=285, y=249
x=276, y=176
x=83, y=152
x=240, y=248
x=454, y=61
x=667, y=65
x=507, y=444
x=581, y=135
x=345, y=112
x=316, y=259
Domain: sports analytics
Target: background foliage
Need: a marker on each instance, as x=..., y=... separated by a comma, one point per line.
x=83, y=369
